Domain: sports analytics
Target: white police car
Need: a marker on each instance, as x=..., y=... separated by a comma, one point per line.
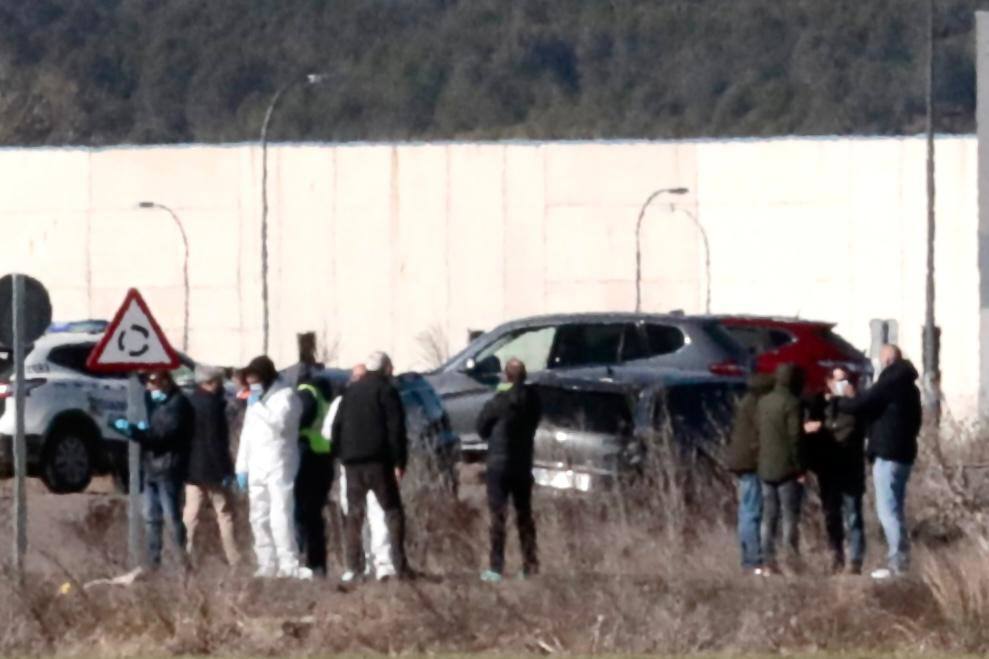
x=68, y=413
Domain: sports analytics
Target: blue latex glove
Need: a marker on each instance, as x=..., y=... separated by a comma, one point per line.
x=142, y=426
x=122, y=426
x=242, y=482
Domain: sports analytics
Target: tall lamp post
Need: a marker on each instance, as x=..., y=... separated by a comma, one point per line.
x=308, y=79
x=931, y=343
x=707, y=254
x=638, y=237
x=185, y=267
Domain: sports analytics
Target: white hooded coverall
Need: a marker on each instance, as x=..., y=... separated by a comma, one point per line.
x=269, y=455
x=377, y=544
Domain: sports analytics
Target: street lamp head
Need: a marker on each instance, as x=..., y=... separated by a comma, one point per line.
x=316, y=78
x=678, y=190
x=146, y=204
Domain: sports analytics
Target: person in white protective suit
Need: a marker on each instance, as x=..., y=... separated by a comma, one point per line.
x=267, y=463
x=377, y=545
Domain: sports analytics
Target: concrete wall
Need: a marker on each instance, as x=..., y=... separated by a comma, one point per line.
x=377, y=245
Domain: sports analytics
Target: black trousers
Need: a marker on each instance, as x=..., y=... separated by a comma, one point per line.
x=312, y=489
x=380, y=479
x=517, y=486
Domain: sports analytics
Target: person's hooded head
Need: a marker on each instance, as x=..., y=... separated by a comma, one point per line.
x=379, y=362
x=160, y=386
x=790, y=377
x=209, y=378
x=761, y=383
x=261, y=371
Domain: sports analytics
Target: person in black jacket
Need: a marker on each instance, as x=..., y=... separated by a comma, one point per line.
x=508, y=422
x=315, y=477
x=891, y=410
x=211, y=469
x=164, y=442
x=837, y=457
x=369, y=439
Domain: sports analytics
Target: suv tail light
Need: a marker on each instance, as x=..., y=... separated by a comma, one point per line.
x=726, y=368
x=7, y=389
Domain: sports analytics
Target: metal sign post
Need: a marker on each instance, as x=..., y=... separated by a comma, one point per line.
x=135, y=414
x=19, y=448
x=25, y=314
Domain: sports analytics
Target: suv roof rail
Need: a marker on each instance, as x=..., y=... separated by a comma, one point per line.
x=91, y=326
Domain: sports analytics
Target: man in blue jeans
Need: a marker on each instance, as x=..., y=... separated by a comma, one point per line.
x=743, y=459
x=165, y=443
x=891, y=408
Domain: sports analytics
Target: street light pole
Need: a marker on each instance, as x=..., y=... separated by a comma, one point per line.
x=707, y=254
x=309, y=79
x=932, y=375
x=638, y=240
x=185, y=268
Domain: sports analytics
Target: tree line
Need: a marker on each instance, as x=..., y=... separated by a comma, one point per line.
x=100, y=72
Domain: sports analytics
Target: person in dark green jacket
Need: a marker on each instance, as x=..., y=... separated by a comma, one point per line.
x=742, y=458
x=781, y=470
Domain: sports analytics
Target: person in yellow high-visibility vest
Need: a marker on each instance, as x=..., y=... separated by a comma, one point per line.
x=315, y=477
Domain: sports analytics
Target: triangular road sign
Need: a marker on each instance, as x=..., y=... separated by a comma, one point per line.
x=133, y=341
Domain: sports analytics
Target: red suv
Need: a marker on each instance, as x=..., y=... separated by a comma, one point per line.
x=814, y=346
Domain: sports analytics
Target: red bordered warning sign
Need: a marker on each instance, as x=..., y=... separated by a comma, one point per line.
x=133, y=341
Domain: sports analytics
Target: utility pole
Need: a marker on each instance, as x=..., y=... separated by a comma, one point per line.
x=932, y=374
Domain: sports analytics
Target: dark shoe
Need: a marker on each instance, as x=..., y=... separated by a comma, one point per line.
x=837, y=565
x=855, y=569
x=408, y=574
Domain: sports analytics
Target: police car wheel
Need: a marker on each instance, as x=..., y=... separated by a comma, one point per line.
x=68, y=465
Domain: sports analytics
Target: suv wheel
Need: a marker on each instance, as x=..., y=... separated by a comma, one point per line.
x=67, y=464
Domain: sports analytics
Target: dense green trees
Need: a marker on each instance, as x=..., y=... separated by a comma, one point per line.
x=111, y=71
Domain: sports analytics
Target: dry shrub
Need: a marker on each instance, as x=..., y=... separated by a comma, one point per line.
x=648, y=566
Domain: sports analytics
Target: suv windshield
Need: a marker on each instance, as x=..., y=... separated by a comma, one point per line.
x=532, y=346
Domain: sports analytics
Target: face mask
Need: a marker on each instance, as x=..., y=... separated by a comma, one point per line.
x=840, y=387
x=159, y=396
x=257, y=389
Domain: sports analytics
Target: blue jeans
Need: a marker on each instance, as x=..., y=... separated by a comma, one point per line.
x=851, y=505
x=750, y=519
x=890, y=482
x=163, y=500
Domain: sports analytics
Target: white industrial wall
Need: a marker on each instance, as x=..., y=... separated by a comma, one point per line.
x=374, y=245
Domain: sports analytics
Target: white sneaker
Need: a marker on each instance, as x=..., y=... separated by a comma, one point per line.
x=882, y=574
x=297, y=572
x=761, y=572
x=265, y=573
x=348, y=577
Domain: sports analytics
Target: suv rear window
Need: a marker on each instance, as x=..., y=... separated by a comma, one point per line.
x=759, y=340
x=73, y=357
x=839, y=342
x=592, y=411
x=664, y=339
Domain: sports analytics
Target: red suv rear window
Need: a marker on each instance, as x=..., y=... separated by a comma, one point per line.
x=846, y=348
